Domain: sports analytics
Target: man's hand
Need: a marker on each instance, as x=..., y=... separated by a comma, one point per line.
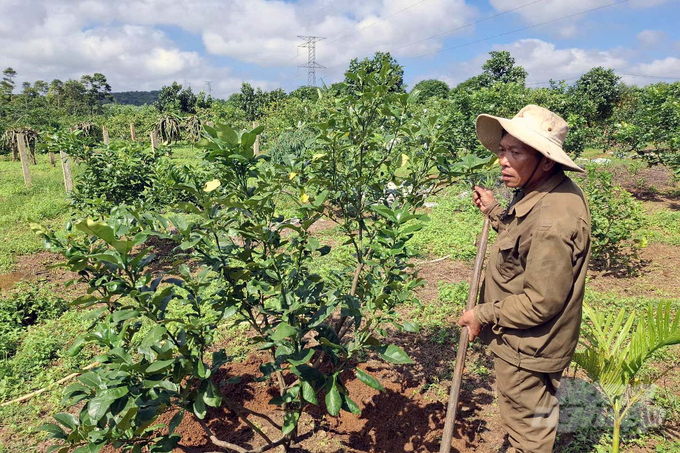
x=482, y=197
x=468, y=319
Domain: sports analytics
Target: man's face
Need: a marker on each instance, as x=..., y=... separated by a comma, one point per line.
x=517, y=161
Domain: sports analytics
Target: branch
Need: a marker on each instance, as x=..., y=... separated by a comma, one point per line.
x=234, y=447
x=44, y=389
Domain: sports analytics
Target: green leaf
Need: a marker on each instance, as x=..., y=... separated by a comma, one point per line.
x=290, y=421
x=122, y=315
x=394, y=354
x=159, y=365
x=176, y=420
x=369, y=380
x=66, y=419
x=212, y=395
x=56, y=431
x=98, y=406
x=303, y=357
x=308, y=393
x=282, y=331
x=410, y=326
x=333, y=398
x=199, y=407
x=89, y=448
x=350, y=405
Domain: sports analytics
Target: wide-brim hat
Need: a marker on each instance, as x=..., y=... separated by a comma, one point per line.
x=534, y=126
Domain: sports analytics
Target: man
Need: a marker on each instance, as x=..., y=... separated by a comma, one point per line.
x=530, y=306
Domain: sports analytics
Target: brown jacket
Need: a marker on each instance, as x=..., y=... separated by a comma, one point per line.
x=533, y=288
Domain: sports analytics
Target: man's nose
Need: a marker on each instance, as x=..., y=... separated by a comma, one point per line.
x=502, y=160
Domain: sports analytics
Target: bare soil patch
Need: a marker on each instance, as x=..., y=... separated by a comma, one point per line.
x=659, y=275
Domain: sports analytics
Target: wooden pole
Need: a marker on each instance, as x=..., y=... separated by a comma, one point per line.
x=464, y=341
x=66, y=167
x=52, y=159
x=256, y=146
x=105, y=134
x=21, y=144
x=132, y=131
x=154, y=142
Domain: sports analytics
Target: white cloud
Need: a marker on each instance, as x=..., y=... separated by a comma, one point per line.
x=542, y=60
x=123, y=39
x=667, y=67
x=650, y=38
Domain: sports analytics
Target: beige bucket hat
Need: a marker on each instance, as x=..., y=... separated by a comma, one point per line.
x=535, y=126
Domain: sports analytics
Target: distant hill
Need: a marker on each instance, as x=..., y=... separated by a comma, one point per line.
x=136, y=97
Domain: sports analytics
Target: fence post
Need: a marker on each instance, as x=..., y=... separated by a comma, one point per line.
x=154, y=142
x=52, y=160
x=132, y=131
x=21, y=144
x=66, y=167
x=256, y=145
x=105, y=134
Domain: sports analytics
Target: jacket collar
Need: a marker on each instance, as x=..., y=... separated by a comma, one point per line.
x=522, y=207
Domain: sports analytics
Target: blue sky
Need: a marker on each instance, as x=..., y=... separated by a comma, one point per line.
x=145, y=44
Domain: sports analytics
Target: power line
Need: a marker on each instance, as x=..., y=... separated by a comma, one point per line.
x=519, y=30
x=649, y=76
x=469, y=24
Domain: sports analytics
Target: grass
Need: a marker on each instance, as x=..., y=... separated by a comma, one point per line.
x=453, y=228
x=663, y=227
x=44, y=202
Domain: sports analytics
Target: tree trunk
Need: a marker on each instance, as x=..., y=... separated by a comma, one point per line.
x=616, y=439
x=52, y=159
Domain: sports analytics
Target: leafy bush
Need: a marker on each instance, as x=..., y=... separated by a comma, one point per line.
x=26, y=305
x=615, y=218
x=112, y=176
x=290, y=144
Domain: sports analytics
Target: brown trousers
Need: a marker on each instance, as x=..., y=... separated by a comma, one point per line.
x=528, y=405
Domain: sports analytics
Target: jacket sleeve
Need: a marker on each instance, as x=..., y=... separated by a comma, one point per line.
x=493, y=212
x=548, y=282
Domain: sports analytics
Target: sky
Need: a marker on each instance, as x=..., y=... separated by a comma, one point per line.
x=219, y=44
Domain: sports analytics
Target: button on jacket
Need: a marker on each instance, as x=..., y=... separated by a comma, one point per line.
x=533, y=288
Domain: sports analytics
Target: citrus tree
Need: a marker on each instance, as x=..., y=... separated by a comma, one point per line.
x=155, y=331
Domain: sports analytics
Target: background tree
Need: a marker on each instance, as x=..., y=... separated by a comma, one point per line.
x=595, y=94
x=499, y=68
x=431, y=88
x=97, y=90
x=374, y=65
x=7, y=84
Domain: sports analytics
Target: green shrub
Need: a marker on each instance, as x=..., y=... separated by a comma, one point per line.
x=27, y=305
x=615, y=218
x=290, y=144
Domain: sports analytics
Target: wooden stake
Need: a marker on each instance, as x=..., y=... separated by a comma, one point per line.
x=154, y=142
x=464, y=341
x=132, y=131
x=31, y=151
x=256, y=145
x=66, y=167
x=52, y=159
x=21, y=144
x=105, y=134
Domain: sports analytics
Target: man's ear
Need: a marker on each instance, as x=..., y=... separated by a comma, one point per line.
x=548, y=164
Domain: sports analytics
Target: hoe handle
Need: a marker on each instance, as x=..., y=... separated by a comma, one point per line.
x=464, y=340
